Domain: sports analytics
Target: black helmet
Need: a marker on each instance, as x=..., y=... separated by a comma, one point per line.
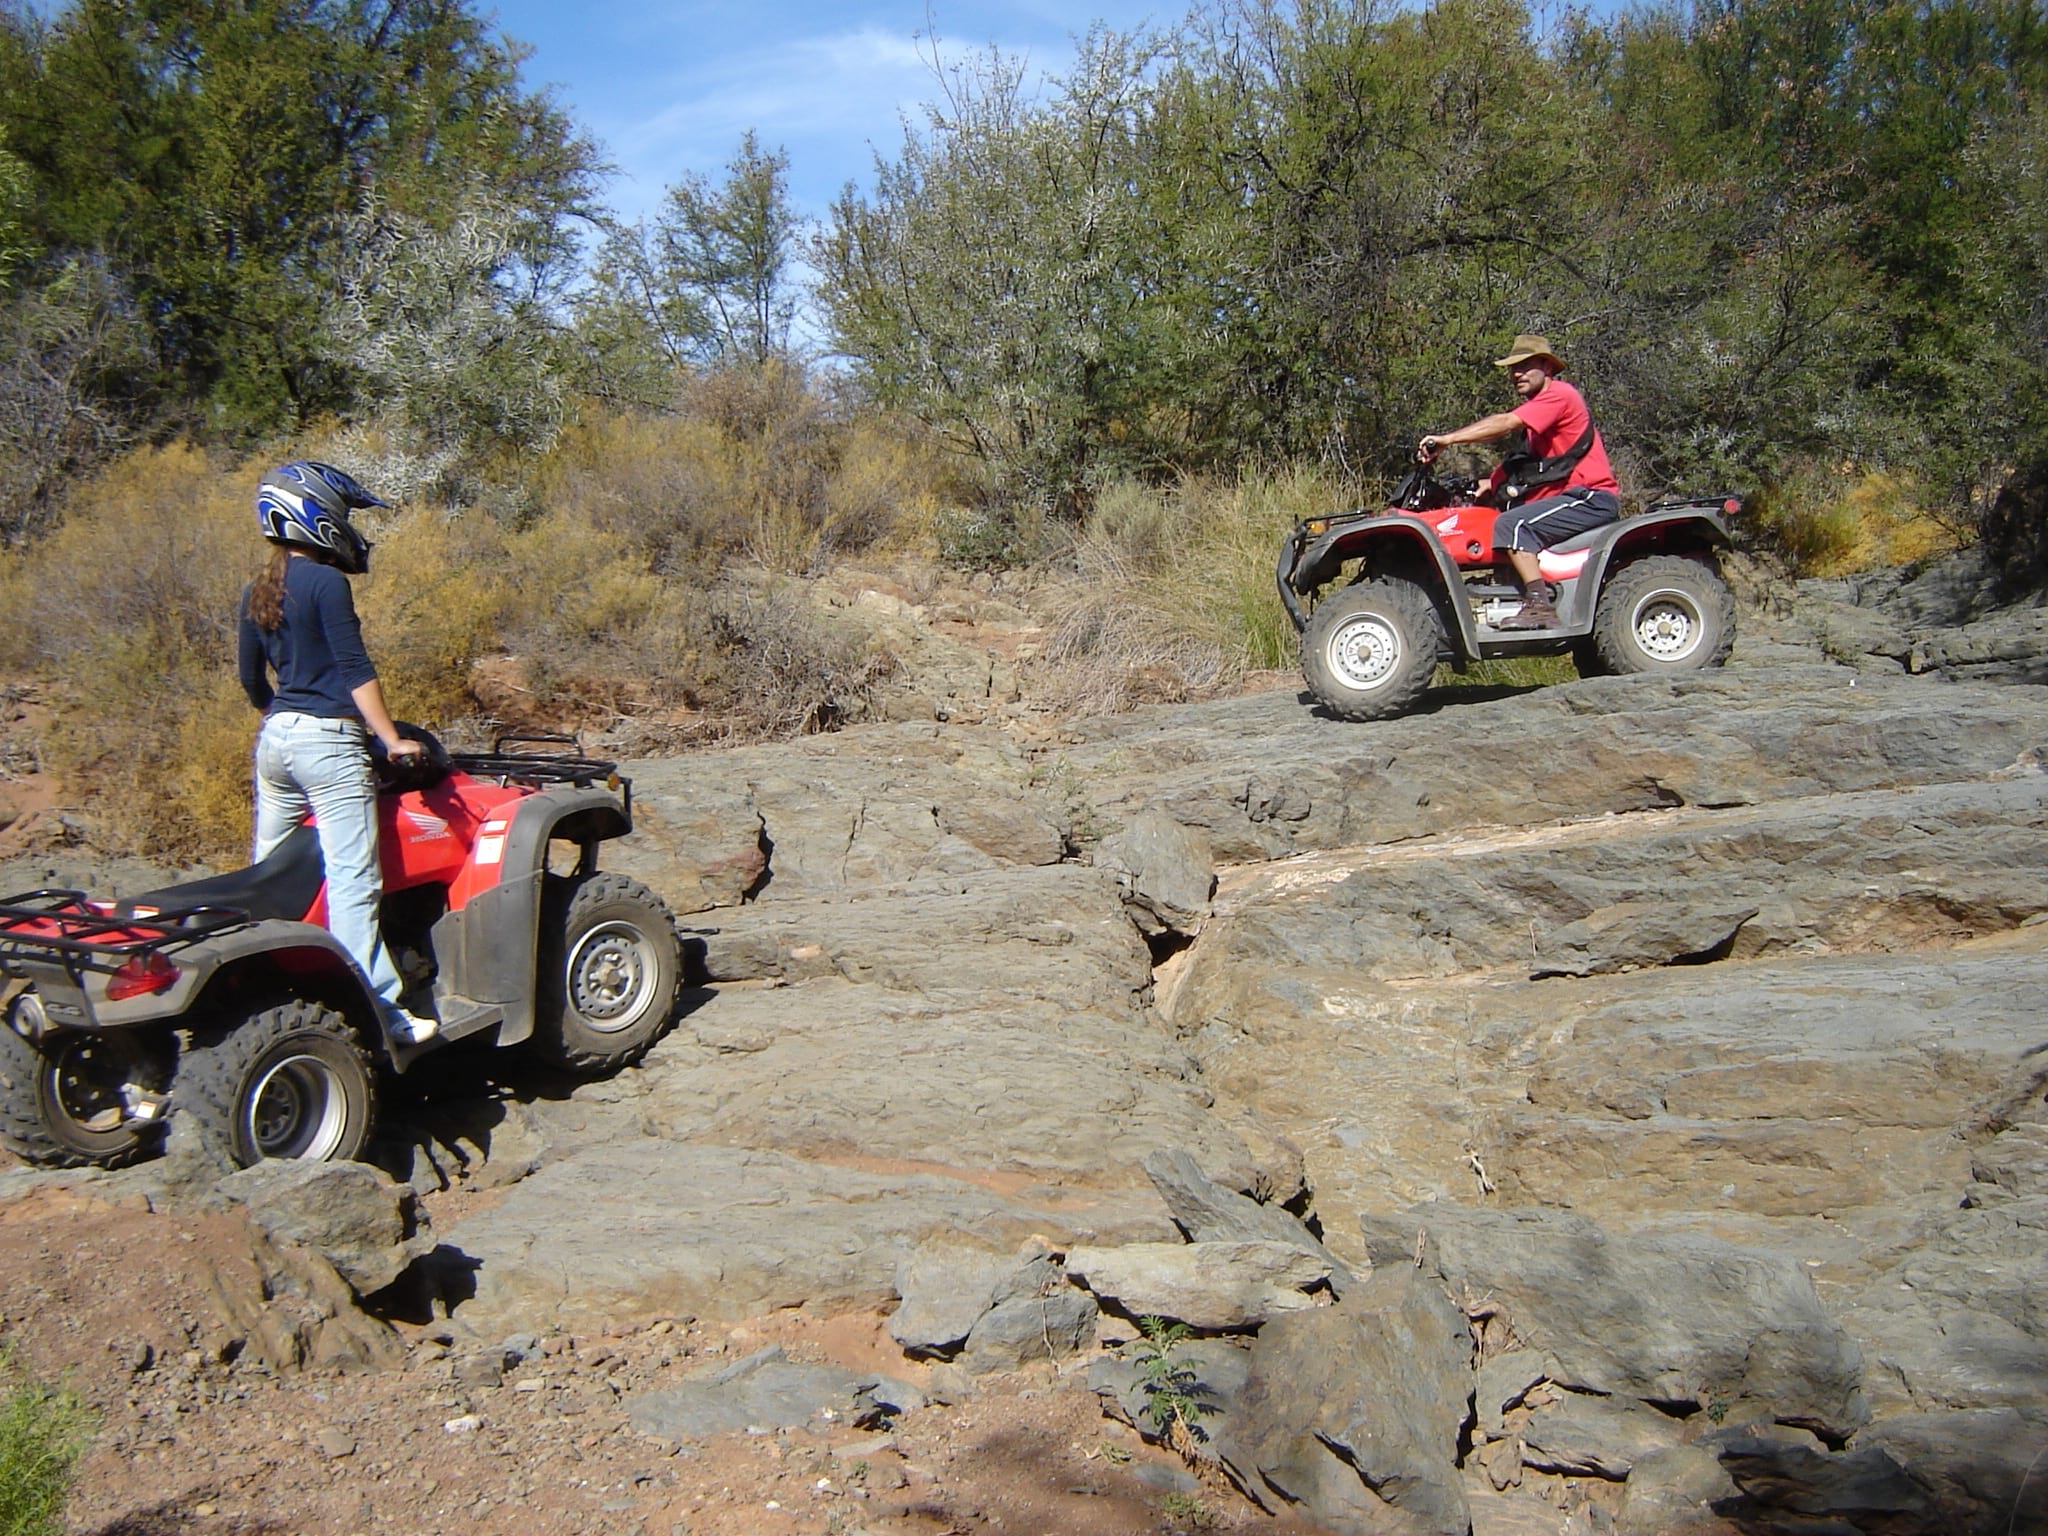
x=309, y=504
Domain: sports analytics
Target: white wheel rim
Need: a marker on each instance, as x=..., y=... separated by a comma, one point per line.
x=611, y=976
x=1364, y=651
x=299, y=1108
x=1668, y=625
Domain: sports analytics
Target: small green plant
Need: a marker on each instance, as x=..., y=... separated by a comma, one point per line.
x=1510, y=672
x=1170, y=1386
x=1189, y=1513
x=1717, y=1411
x=43, y=1431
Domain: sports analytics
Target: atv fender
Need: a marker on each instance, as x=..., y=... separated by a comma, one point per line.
x=486, y=949
x=1684, y=529
x=1399, y=543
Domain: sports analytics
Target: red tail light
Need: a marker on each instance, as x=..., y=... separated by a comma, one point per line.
x=1732, y=505
x=146, y=973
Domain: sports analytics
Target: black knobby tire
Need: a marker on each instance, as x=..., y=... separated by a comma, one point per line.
x=1370, y=649
x=1664, y=614
x=60, y=1100
x=611, y=971
x=290, y=1082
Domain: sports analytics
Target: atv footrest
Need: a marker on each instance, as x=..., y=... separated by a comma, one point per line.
x=462, y=1016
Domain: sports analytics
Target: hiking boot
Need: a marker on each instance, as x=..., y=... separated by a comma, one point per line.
x=1536, y=612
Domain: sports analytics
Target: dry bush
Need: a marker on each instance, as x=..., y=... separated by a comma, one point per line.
x=778, y=668
x=663, y=487
x=1173, y=589
x=1839, y=522
x=601, y=635
x=435, y=601
x=889, y=485
x=127, y=612
x=755, y=467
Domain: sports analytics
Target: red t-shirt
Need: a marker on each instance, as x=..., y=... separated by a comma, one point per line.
x=1556, y=417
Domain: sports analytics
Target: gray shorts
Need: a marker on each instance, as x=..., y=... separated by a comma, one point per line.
x=1539, y=524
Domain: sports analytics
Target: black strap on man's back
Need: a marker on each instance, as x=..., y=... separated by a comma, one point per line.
x=1524, y=472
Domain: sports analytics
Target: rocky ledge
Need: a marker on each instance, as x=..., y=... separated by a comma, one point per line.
x=1621, y=1102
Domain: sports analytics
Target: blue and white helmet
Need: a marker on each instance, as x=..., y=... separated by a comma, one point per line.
x=309, y=504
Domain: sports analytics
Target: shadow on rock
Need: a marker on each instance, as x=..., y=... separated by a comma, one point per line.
x=1437, y=700
x=174, y=1518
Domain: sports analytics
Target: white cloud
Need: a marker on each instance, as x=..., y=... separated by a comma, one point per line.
x=830, y=100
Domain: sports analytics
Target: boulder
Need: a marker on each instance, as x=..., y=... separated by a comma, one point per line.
x=1206, y=1211
x=1580, y=1434
x=947, y=1285
x=1677, y=1491
x=1166, y=869
x=354, y=1216
x=1048, y=1321
x=1207, y=1285
x=1676, y=1319
x=1951, y=1474
x=1353, y=1412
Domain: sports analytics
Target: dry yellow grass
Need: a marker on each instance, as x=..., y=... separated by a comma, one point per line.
x=1839, y=523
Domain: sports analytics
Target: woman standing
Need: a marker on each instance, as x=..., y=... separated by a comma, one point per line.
x=299, y=626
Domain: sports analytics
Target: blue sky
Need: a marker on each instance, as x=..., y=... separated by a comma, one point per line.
x=669, y=88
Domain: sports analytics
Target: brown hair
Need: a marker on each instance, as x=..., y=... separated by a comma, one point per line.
x=266, y=592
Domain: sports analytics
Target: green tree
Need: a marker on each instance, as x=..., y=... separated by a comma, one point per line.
x=431, y=315
x=17, y=198
x=994, y=282
x=217, y=152
x=725, y=255
x=710, y=284
x=1394, y=191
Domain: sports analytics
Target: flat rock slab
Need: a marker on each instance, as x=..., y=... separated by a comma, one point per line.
x=649, y=1229
x=767, y=1391
x=845, y=811
x=1266, y=776
x=1022, y=1090
x=1877, y=869
x=1788, y=1090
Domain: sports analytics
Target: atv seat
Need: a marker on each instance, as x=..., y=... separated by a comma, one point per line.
x=283, y=885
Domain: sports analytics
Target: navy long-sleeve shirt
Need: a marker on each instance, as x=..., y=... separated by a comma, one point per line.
x=316, y=654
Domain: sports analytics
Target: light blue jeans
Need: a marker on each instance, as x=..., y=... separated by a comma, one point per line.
x=307, y=763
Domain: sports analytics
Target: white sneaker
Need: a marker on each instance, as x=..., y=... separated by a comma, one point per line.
x=407, y=1028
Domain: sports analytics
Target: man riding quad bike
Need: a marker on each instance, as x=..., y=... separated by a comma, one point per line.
x=226, y=1002
x=1395, y=592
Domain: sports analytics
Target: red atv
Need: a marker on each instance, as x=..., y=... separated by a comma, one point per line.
x=1417, y=584
x=227, y=1002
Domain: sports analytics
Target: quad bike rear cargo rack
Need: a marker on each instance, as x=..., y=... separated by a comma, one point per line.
x=99, y=936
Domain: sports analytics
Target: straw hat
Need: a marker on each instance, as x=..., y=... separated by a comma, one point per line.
x=1526, y=347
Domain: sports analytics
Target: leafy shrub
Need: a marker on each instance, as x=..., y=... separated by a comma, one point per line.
x=43, y=1431
x=1171, y=1387
x=2015, y=531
